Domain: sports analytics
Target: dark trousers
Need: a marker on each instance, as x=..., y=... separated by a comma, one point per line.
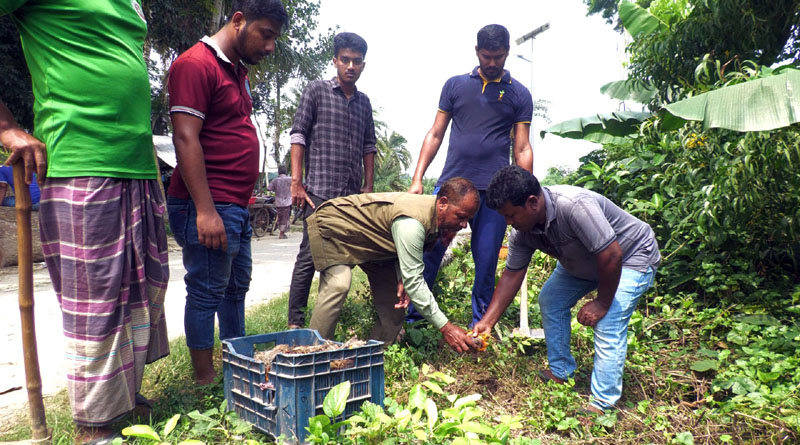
x=488, y=229
x=303, y=272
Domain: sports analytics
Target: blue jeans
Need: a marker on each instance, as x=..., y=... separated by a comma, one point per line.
x=216, y=280
x=488, y=229
x=559, y=294
x=11, y=201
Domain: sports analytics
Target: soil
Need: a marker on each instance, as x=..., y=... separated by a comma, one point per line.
x=268, y=356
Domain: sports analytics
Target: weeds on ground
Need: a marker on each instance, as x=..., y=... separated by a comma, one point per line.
x=694, y=374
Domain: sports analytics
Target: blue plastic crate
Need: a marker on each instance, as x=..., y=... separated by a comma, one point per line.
x=281, y=401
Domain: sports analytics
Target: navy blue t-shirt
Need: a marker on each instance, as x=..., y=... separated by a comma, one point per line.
x=483, y=115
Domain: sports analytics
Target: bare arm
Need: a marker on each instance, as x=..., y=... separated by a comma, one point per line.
x=523, y=152
x=609, y=269
x=299, y=195
x=430, y=145
x=508, y=285
x=192, y=165
x=369, y=171
x=22, y=146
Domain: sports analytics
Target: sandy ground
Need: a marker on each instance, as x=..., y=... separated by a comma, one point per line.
x=273, y=261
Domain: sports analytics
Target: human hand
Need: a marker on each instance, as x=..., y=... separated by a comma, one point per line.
x=27, y=148
x=402, y=297
x=366, y=189
x=299, y=196
x=591, y=313
x=457, y=338
x=211, y=231
x=482, y=327
x=416, y=187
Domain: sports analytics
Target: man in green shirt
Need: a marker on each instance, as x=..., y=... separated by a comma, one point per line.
x=102, y=208
x=385, y=234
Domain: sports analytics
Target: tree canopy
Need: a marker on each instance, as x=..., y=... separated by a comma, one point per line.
x=15, y=83
x=731, y=31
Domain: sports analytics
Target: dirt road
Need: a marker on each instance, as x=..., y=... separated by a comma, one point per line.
x=273, y=261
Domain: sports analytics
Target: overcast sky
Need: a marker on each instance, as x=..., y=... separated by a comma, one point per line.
x=415, y=46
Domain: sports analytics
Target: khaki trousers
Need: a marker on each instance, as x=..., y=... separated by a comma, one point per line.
x=334, y=284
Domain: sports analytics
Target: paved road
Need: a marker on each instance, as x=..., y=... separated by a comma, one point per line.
x=273, y=261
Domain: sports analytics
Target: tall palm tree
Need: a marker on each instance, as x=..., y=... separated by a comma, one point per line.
x=391, y=161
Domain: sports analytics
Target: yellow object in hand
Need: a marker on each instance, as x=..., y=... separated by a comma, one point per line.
x=481, y=341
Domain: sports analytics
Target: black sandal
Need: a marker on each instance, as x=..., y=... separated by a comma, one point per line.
x=143, y=401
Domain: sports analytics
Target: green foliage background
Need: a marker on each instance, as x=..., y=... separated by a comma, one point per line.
x=725, y=205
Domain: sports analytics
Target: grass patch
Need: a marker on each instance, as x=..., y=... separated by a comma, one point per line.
x=664, y=399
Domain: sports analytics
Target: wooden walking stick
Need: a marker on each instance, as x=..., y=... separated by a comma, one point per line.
x=33, y=380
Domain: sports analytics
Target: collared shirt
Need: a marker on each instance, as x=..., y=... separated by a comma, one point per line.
x=484, y=113
x=579, y=224
x=203, y=82
x=409, y=239
x=337, y=133
x=282, y=186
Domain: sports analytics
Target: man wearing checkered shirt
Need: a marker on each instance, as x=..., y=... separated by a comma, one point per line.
x=333, y=137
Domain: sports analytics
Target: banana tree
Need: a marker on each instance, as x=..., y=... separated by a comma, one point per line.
x=766, y=103
x=606, y=128
x=758, y=105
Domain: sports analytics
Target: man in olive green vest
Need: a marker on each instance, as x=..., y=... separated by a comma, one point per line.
x=385, y=235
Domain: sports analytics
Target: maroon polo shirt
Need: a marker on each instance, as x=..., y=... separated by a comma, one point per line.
x=204, y=83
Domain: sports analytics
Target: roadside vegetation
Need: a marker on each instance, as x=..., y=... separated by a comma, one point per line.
x=697, y=372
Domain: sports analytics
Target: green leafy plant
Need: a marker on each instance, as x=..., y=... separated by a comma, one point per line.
x=215, y=423
x=322, y=428
x=420, y=419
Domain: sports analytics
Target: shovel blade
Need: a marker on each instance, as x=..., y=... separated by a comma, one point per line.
x=536, y=333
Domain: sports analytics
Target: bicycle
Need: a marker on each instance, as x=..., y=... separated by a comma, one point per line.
x=263, y=216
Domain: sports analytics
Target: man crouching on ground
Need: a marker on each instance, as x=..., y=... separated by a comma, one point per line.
x=598, y=246
x=385, y=235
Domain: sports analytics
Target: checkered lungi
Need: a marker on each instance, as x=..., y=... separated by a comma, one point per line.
x=105, y=246
x=283, y=218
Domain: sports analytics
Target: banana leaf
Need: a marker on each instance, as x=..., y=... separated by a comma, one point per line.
x=629, y=90
x=602, y=128
x=637, y=20
x=758, y=105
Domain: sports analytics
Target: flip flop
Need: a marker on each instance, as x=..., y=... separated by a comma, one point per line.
x=143, y=401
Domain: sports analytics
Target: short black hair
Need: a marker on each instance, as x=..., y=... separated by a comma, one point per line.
x=511, y=184
x=281, y=170
x=493, y=37
x=261, y=9
x=456, y=189
x=349, y=40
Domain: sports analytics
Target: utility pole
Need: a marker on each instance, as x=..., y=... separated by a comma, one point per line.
x=530, y=36
x=524, y=328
